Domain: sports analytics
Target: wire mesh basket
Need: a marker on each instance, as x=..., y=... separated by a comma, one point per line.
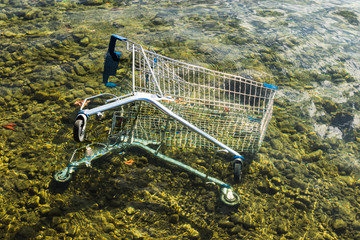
x=233, y=109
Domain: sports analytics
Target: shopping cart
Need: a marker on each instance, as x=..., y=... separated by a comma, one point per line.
x=164, y=102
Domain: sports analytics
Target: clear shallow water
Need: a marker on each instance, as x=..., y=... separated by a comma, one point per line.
x=303, y=184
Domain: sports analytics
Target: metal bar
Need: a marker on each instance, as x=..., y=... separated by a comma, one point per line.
x=179, y=164
x=133, y=68
x=152, y=72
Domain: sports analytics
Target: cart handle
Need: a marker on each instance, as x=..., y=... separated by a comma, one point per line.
x=112, y=59
x=112, y=44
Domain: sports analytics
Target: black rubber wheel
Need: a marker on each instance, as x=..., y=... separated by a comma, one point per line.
x=237, y=171
x=231, y=202
x=79, y=133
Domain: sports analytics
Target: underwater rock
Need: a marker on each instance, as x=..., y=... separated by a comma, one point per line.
x=174, y=218
x=54, y=212
x=130, y=210
x=2, y=101
x=26, y=232
x=348, y=180
x=342, y=120
x=44, y=210
x=235, y=218
x=210, y=206
x=296, y=182
x=304, y=199
x=339, y=225
x=349, y=16
x=273, y=188
x=276, y=180
x=9, y=34
x=109, y=227
x=356, y=225
x=32, y=14
x=224, y=223
x=248, y=222
x=300, y=205
x=236, y=229
x=314, y=156
x=79, y=69
x=161, y=19
x=281, y=228
x=84, y=41
x=22, y=185
x=42, y=96
x=3, y=16
x=276, y=144
x=263, y=187
x=33, y=202
x=190, y=232
x=92, y=2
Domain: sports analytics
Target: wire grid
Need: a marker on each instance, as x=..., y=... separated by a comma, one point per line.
x=233, y=109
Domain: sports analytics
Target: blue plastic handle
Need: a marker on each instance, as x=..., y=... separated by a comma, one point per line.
x=112, y=59
x=112, y=44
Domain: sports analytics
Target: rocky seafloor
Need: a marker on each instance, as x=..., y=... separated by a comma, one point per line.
x=303, y=183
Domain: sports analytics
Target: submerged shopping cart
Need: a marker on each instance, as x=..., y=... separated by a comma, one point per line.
x=164, y=102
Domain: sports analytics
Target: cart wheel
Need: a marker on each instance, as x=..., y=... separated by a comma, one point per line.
x=78, y=130
x=62, y=175
x=230, y=202
x=237, y=171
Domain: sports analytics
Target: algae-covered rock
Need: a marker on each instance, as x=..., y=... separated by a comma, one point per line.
x=314, y=156
x=190, y=232
x=33, y=13
x=130, y=210
x=92, y=2
x=236, y=229
x=248, y=222
x=109, y=227
x=41, y=96
x=33, y=202
x=298, y=183
x=3, y=16
x=281, y=228
x=174, y=218
x=276, y=144
x=26, y=232
x=22, y=185
x=224, y=223
x=84, y=41
x=304, y=199
x=339, y=225
x=356, y=225
x=79, y=69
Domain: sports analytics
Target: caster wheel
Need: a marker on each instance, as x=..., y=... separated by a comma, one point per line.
x=234, y=201
x=62, y=175
x=237, y=171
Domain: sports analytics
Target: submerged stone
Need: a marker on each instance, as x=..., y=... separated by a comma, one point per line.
x=174, y=218
x=339, y=225
x=350, y=17
x=109, y=227
x=226, y=224
x=3, y=16
x=33, y=202
x=314, y=156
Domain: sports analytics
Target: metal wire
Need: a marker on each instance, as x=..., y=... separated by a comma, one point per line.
x=233, y=109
